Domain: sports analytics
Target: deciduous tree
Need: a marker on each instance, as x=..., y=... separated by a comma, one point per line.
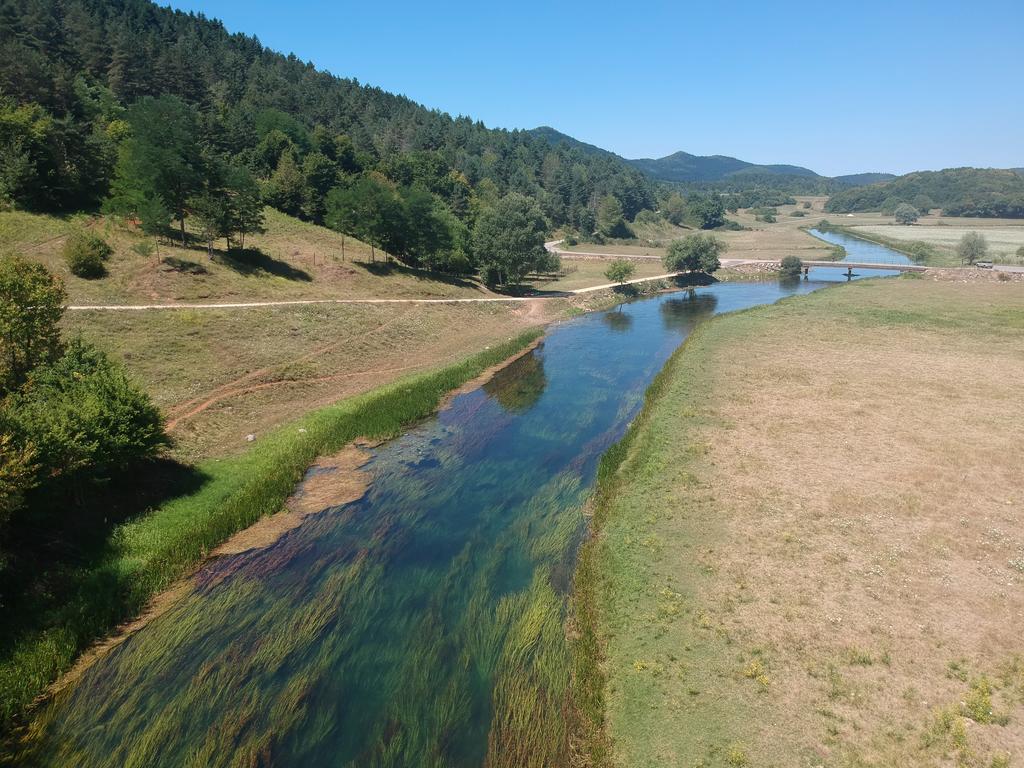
x=31, y=306
x=508, y=240
x=698, y=252
x=971, y=248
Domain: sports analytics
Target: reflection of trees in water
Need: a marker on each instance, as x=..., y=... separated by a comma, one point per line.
x=617, y=320
x=682, y=312
x=518, y=386
x=790, y=283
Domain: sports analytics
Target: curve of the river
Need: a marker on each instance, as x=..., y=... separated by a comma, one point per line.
x=422, y=624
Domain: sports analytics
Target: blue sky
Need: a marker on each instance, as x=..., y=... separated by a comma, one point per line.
x=840, y=87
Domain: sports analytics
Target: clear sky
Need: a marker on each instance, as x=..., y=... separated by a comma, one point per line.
x=839, y=87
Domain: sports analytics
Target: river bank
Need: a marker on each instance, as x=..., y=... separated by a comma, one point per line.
x=806, y=547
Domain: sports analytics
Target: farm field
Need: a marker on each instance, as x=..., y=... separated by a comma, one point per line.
x=759, y=240
x=1004, y=236
x=812, y=554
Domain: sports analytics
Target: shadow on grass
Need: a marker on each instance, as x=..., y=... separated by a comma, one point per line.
x=185, y=266
x=388, y=268
x=255, y=263
x=52, y=576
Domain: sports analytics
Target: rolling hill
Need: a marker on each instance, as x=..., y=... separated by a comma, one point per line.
x=684, y=167
x=976, y=192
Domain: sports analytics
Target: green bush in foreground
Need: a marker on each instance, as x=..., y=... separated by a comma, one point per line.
x=151, y=552
x=84, y=413
x=85, y=253
x=791, y=266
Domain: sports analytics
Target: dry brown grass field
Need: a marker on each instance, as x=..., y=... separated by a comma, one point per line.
x=815, y=556
x=292, y=260
x=220, y=375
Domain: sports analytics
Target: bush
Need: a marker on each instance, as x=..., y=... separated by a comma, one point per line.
x=798, y=214
x=791, y=266
x=85, y=254
x=84, y=416
x=807, y=206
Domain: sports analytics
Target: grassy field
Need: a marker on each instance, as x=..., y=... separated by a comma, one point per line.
x=582, y=273
x=292, y=260
x=811, y=552
x=1005, y=236
x=220, y=375
x=758, y=241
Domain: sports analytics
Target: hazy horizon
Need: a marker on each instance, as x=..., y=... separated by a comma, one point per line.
x=922, y=86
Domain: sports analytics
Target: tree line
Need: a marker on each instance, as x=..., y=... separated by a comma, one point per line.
x=165, y=116
x=971, y=192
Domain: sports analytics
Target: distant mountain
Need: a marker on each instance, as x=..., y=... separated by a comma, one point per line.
x=684, y=167
x=863, y=179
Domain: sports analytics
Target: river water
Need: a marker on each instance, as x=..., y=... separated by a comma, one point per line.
x=864, y=251
x=424, y=624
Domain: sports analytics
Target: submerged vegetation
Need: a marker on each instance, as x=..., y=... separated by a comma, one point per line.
x=145, y=555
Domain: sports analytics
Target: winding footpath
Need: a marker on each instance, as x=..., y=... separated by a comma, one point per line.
x=302, y=302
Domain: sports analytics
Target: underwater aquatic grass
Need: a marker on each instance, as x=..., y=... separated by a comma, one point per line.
x=148, y=554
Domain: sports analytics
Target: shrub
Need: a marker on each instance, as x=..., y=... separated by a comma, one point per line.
x=791, y=266
x=620, y=271
x=799, y=214
x=85, y=254
x=84, y=416
x=807, y=206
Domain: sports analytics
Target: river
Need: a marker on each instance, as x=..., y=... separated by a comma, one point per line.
x=423, y=624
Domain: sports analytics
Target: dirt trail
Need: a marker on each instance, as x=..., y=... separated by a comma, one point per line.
x=200, y=403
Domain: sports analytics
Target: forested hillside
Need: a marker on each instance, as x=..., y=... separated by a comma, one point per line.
x=164, y=116
x=684, y=167
x=978, y=192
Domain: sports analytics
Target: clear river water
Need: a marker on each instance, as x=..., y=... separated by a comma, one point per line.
x=424, y=624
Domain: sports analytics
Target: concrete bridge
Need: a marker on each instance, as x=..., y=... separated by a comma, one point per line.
x=852, y=265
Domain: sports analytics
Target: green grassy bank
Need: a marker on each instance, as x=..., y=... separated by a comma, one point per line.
x=145, y=555
x=799, y=545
